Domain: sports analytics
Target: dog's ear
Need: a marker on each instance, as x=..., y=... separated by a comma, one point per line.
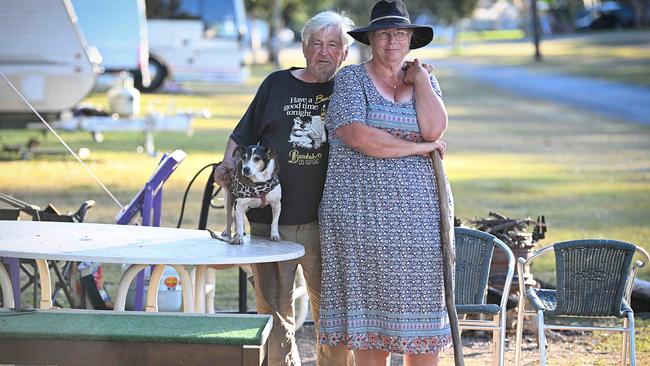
x=239, y=151
x=274, y=156
x=271, y=153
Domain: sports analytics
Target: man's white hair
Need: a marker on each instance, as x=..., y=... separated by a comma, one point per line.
x=328, y=19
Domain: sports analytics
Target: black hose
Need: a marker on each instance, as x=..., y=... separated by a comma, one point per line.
x=187, y=190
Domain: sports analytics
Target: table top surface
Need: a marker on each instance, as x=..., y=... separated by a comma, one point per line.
x=111, y=243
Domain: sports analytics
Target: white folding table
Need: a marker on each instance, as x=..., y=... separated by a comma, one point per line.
x=137, y=245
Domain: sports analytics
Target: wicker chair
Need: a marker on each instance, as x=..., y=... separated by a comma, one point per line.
x=594, y=281
x=473, y=257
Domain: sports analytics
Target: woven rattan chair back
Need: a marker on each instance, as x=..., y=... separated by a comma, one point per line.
x=473, y=256
x=591, y=277
x=594, y=280
x=473, y=259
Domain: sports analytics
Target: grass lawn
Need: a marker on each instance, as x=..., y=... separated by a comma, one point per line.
x=589, y=175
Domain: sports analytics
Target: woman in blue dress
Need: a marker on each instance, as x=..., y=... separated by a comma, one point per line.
x=382, y=283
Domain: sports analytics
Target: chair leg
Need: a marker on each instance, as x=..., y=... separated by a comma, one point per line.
x=630, y=317
x=520, y=329
x=625, y=344
x=542, y=338
x=502, y=339
x=496, y=346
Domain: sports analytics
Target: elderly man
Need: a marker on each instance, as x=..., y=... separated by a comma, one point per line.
x=287, y=106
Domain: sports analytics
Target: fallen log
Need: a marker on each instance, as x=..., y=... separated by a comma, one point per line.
x=641, y=296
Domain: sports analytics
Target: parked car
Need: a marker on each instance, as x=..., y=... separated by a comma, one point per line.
x=608, y=15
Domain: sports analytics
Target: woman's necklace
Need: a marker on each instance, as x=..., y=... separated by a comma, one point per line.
x=390, y=85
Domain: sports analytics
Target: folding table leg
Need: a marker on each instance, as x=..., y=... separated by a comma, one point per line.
x=46, y=286
x=123, y=286
x=199, y=288
x=7, y=288
x=152, y=293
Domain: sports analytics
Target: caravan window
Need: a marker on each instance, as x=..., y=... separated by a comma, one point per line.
x=221, y=18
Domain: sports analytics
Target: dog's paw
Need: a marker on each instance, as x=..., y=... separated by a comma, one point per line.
x=237, y=239
x=275, y=237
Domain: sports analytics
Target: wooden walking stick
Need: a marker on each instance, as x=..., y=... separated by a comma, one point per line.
x=448, y=254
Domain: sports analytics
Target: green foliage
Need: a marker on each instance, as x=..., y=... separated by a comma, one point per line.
x=358, y=10
x=296, y=12
x=449, y=11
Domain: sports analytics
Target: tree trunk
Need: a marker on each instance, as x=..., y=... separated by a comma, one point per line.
x=274, y=41
x=536, y=30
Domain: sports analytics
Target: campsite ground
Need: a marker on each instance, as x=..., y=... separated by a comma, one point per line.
x=566, y=349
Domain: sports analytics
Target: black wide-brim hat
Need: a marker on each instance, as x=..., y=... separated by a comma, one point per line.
x=393, y=14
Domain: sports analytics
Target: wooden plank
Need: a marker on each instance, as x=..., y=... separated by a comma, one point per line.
x=252, y=355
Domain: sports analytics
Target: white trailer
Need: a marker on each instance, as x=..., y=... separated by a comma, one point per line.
x=118, y=29
x=196, y=40
x=45, y=56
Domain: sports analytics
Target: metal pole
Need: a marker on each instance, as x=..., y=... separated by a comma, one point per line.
x=243, y=292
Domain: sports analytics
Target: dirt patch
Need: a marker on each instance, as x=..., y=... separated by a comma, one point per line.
x=565, y=348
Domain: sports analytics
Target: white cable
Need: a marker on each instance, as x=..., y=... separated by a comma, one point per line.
x=63, y=142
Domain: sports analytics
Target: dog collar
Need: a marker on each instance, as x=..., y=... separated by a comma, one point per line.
x=263, y=198
x=256, y=190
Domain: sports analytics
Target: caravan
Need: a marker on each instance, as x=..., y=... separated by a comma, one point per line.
x=45, y=56
x=118, y=29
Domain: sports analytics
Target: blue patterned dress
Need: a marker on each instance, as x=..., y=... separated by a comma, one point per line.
x=382, y=284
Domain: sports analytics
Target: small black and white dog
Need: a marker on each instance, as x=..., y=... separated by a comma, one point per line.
x=254, y=184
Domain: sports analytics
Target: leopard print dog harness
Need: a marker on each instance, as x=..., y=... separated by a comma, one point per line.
x=242, y=187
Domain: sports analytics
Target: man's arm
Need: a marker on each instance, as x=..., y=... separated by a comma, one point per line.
x=221, y=176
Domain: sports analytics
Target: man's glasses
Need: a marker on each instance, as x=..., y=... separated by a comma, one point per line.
x=399, y=35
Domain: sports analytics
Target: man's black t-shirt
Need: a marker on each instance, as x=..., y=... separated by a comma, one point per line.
x=287, y=115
